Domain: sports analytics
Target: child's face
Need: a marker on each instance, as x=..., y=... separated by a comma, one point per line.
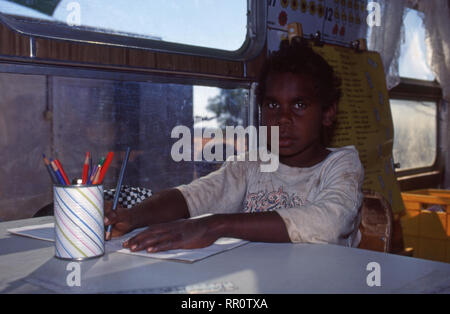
x=291, y=103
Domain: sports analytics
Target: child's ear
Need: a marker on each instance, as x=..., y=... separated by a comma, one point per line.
x=329, y=115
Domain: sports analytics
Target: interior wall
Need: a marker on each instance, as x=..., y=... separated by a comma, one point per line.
x=23, y=179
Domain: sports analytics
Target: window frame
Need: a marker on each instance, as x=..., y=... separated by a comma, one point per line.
x=420, y=90
x=252, y=46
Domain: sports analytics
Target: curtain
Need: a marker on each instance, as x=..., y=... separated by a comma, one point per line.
x=386, y=38
x=437, y=29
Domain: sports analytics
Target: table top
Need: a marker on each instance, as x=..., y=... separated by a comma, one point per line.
x=29, y=266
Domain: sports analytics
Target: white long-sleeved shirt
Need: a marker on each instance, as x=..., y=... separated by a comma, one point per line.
x=318, y=204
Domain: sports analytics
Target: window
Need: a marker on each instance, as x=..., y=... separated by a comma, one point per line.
x=414, y=103
x=415, y=133
x=214, y=109
x=188, y=26
x=75, y=111
x=413, y=51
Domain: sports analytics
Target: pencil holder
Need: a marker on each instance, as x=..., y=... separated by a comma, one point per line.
x=79, y=228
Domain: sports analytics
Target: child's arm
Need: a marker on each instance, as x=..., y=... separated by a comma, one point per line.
x=221, y=191
x=164, y=206
x=201, y=232
x=165, y=212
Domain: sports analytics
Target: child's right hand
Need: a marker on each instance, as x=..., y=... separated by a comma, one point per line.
x=120, y=219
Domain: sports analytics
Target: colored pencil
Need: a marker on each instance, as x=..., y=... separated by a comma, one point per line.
x=119, y=186
x=85, y=169
x=90, y=166
x=61, y=169
x=93, y=174
x=97, y=175
x=105, y=167
x=96, y=170
x=50, y=170
x=58, y=173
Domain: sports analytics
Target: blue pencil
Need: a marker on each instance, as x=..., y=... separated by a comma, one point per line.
x=119, y=186
x=58, y=173
x=50, y=170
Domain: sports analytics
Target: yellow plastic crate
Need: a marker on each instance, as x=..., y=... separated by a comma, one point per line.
x=426, y=223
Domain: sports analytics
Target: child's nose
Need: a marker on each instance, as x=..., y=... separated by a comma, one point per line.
x=285, y=116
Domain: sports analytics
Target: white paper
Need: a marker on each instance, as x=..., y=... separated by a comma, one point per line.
x=46, y=232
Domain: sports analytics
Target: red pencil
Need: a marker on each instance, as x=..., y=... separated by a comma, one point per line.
x=85, y=169
x=58, y=164
x=108, y=160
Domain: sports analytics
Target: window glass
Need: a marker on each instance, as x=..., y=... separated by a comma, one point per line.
x=193, y=22
x=69, y=116
x=214, y=110
x=415, y=130
x=413, y=51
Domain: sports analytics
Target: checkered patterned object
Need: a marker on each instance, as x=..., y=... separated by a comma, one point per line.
x=129, y=196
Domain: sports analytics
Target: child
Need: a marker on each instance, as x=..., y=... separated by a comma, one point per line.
x=314, y=196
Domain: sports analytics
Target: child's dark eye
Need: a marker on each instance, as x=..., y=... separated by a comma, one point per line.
x=300, y=106
x=272, y=105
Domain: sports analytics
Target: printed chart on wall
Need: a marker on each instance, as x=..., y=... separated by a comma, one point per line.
x=364, y=117
x=338, y=21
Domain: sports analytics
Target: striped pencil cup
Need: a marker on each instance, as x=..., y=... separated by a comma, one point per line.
x=79, y=228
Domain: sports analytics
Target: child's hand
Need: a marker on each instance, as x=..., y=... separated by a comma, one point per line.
x=180, y=234
x=120, y=219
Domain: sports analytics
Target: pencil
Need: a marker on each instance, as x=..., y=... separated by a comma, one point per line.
x=85, y=169
x=58, y=173
x=90, y=165
x=97, y=175
x=105, y=167
x=50, y=170
x=96, y=170
x=61, y=169
x=118, y=187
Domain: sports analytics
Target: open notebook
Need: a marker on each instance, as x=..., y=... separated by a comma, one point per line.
x=46, y=232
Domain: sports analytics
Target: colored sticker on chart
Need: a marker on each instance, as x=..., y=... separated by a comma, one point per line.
x=282, y=18
x=372, y=63
x=380, y=179
x=377, y=114
x=335, y=29
x=336, y=14
x=369, y=79
x=320, y=10
x=350, y=17
x=380, y=98
x=303, y=6
x=312, y=7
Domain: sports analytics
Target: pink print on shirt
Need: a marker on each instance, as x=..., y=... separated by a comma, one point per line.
x=267, y=201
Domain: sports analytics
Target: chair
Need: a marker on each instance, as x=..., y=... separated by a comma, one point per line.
x=376, y=223
x=379, y=230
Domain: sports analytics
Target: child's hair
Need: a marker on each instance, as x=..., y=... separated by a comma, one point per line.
x=298, y=58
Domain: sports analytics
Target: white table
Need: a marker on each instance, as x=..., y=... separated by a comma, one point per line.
x=29, y=266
